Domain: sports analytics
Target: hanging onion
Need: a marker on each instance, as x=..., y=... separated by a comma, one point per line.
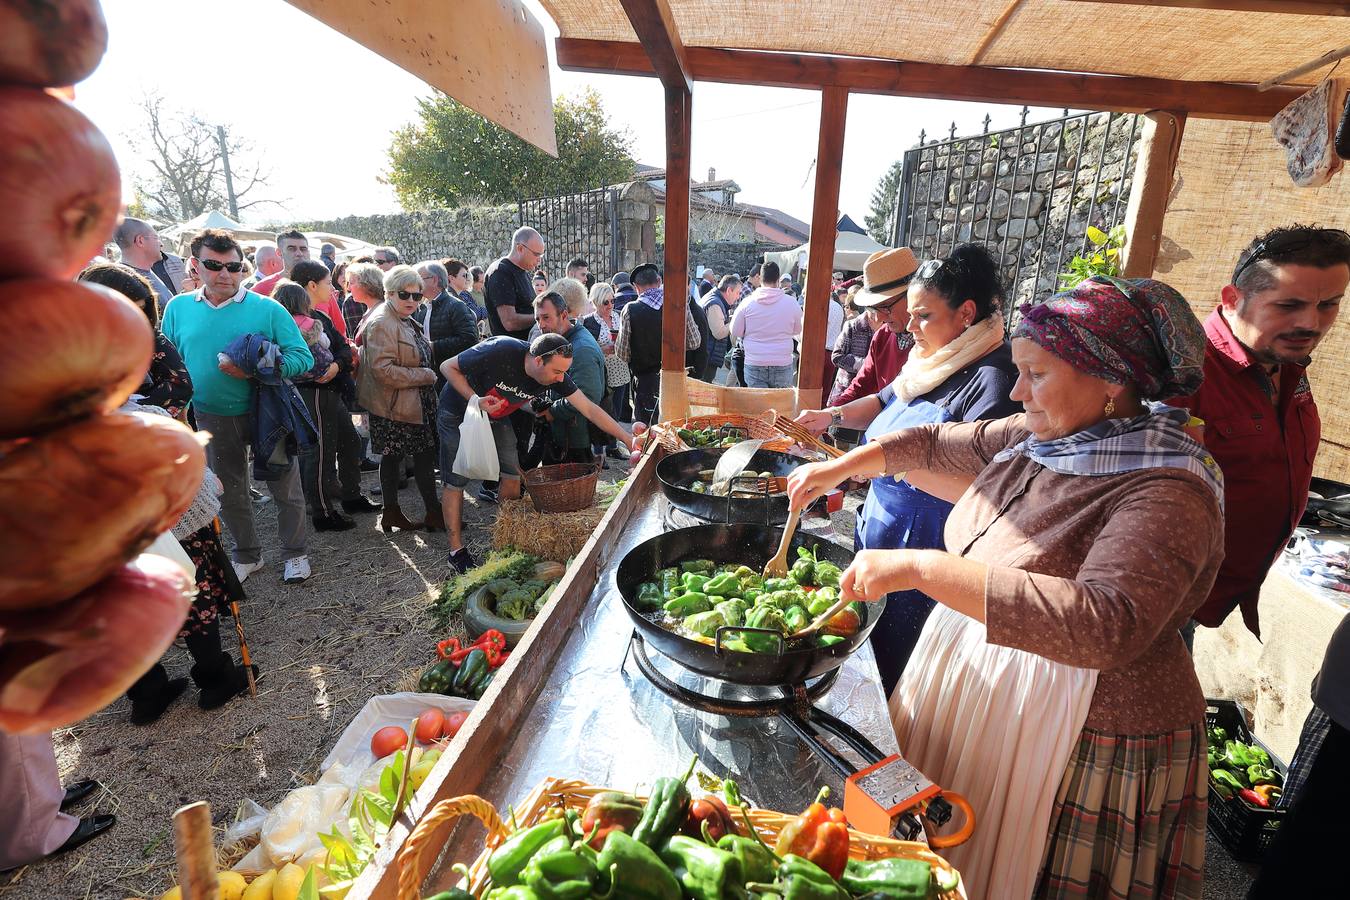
x=50, y=43
x=118, y=629
x=78, y=502
x=59, y=186
x=75, y=349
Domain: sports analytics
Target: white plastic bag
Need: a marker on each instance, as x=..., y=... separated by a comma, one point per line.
x=477, y=456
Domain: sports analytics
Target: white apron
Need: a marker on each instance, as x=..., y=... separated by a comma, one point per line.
x=997, y=726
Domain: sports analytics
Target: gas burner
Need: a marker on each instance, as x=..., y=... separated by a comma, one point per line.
x=793, y=703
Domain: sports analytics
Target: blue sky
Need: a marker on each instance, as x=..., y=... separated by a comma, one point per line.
x=274, y=76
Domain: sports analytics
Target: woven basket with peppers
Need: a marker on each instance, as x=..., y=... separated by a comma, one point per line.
x=571, y=840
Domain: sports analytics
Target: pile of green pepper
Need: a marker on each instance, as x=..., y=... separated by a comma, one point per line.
x=708, y=437
x=651, y=860
x=699, y=597
x=1238, y=769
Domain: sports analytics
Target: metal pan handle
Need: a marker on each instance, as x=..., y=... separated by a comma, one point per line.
x=741, y=629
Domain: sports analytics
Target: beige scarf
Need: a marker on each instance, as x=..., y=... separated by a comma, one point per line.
x=921, y=374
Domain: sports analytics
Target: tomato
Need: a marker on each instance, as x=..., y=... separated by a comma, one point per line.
x=453, y=723
x=430, y=725
x=387, y=740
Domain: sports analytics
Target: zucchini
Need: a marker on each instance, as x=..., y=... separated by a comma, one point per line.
x=470, y=671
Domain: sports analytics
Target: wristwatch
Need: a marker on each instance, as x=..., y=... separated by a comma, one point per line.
x=836, y=416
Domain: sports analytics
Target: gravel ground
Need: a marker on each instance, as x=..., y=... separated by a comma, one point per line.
x=323, y=648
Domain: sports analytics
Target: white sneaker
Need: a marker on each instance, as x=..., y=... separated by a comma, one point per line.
x=243, y=570
x=297, y=570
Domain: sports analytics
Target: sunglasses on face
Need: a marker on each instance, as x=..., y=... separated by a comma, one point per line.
x=383, y=262
x=408, y=295
x=1291, y=243
x=214, y=265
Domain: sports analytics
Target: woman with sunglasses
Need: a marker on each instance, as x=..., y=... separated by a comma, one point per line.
x=603, y=324
x=396, y=383
x=960, y=370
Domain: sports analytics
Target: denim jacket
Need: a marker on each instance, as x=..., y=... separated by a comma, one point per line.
x=279, y=423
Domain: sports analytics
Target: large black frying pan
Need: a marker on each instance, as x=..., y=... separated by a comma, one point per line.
x=750, y=545
x=678, y=470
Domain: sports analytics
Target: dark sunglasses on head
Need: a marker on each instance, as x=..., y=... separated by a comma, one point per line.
x=565, y=351
x=1290, y=243
x=928, y=269
x=409, y=295
x=215, y=265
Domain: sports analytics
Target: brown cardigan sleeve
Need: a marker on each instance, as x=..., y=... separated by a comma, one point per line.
x=1158, y=537
x=958, y=448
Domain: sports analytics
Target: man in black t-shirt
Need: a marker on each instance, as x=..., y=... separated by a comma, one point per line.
x=506, y=375
x=507, y=286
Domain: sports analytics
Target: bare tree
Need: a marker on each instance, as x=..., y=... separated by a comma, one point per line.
x=184, y=164
x=709, y=223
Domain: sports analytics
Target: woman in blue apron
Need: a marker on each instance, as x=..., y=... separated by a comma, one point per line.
x=960, y=370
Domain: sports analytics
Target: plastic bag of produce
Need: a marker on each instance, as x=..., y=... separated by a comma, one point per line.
x=293, y=826
x=477, y=456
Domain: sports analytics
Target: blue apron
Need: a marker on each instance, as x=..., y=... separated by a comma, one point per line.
x=898, y=516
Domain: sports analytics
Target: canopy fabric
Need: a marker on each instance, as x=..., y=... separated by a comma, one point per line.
x=850, y=252
x=213, y=219
x=1108, y=38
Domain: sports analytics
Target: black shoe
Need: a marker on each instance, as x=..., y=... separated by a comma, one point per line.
x=78, y=791
x=333, y=522
x=149, y=705
x=369, y=465
x=617, y=453
x=460, y=560
x=89, y=828
x=361, y=505
x=487, y=496
x=220, y=687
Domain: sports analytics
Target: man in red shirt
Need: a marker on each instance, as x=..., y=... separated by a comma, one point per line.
x=1260, y=421
x=891, y=342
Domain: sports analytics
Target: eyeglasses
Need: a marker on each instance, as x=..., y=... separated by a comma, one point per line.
x=1291, y=242
x=215, y=265
x=409, y=295
x=928, y=269
x=383, y=262
x=887, y=307
x=538, y=253
x=565, y=351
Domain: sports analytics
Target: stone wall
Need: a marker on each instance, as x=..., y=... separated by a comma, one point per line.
x=475, y=234
x=1028, y=194
x=728, y=256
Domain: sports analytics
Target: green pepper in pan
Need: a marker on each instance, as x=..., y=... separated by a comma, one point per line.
x=795, y=618
x=670, y=582
x=648, y=596
x=725, y=585
x=705, y=623
x=694, y=582
x=700, y=566
x=733, y=611
x=763, y=617
x=688, y=604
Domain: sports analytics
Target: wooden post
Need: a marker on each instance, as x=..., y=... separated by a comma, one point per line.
x=678, y=112
x=820, y=264
x=1159, y=146
x=195, y=852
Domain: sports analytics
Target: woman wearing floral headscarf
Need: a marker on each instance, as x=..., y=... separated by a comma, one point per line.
x=1051, y=686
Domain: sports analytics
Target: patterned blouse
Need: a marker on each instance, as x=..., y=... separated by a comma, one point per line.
x=167, y=384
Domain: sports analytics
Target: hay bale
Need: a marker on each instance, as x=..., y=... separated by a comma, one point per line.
x=556, y=536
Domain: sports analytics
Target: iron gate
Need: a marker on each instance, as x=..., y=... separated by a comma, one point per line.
x=582, y=225
x=1027, y=193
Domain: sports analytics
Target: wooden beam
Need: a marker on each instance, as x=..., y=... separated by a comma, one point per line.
x=655, y=29
x=819, y=265
x=1298, y=7
x=1119, y=93
x=496, y=718
x=1159, y=146
x=679, y=105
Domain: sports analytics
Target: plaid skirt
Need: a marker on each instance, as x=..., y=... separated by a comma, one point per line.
x=1129, y=818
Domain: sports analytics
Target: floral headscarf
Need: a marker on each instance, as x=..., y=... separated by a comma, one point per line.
x=1134, y=331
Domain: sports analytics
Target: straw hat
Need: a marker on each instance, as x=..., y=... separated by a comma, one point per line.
x=886, y=275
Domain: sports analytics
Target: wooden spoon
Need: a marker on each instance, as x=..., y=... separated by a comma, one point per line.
x=821, y=620
x=778, y=567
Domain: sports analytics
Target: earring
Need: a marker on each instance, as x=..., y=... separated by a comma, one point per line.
x=1110, y=407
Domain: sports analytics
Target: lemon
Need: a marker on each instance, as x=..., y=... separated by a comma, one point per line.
x=261, y=888
x=232, y=885
x=288, y=882
x=173, y=893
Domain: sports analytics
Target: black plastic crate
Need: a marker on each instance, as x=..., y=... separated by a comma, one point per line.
x=1244, y=829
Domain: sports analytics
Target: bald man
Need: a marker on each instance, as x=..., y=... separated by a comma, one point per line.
x=267, y=262
x=141, y=248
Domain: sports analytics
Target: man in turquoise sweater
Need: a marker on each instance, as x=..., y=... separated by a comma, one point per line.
x=201, y=325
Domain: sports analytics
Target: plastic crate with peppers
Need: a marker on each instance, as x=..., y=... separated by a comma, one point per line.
x=465, y=670
x=672, y=846
x=1242, y=770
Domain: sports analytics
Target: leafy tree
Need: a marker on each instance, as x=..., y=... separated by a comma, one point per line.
x=452, y=155
x=880, y=220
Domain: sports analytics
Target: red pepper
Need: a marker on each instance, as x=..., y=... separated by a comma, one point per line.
x=447, y=647
x=819, y=834
x=492, y=642
x=1254, y=798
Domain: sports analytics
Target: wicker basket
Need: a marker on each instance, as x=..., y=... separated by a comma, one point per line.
x=755, y=427
x=575, y=795
x=568, y=487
